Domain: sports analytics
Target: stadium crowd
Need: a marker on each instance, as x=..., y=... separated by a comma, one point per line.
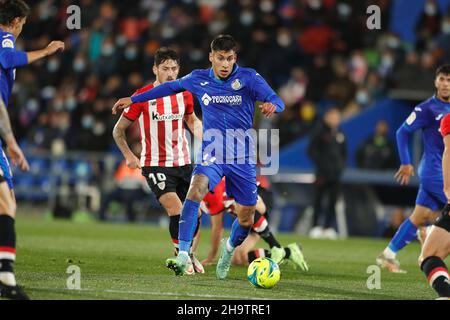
x=317, y=53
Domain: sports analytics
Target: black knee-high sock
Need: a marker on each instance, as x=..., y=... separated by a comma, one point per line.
x=7, y=243
x=257, y=253
x=173, y=229
x=437, y=274
x=261, y=226
x=264, y=253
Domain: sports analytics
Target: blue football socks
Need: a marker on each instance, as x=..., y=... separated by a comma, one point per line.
x=188, y=224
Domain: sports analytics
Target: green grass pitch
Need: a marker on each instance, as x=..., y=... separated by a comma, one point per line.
x=127, y=262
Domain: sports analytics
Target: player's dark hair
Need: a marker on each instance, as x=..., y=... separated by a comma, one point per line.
x=223, y=42
x=444, y=69
x=11, y=9
x=166, y=53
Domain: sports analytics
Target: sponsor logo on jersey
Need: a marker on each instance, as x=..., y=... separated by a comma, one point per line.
x=166, y=117
x=439, y=117
x=231, y=100
x=206, y=99
x=236, y=85
x=204, y=83
x=412, y=117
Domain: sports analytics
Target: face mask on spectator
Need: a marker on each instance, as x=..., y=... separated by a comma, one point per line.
x=247, y=18
x=53, y=65
x=315, y=4
x=284, y=40
x=344, y=10
x=131, y=53
x=266, y=6
x=108, y=50
x=430, y=9
x=79, y=65
x=387, y=61
x=71, y=103
x=362, y=97
x=99, y=128
x=87, y=122
x=446, y=27
x=393, y=42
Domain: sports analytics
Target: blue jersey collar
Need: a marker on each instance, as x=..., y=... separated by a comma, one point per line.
x=440, y=101
x=211, y=74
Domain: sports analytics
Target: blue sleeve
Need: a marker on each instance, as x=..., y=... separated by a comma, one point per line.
x=10, y=58
x=263, y=92
x=403, y=135
x=163, y=90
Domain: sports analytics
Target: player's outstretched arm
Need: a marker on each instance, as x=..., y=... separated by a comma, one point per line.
x=15, y=153
x=52, y=48
x=121, y=141
x=406, y=169
x=163, y=90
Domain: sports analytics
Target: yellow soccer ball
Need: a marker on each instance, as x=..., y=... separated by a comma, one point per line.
x=263, y=273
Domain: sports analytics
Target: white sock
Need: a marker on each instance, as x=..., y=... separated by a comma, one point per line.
x=229, y=246
x=184, y=252
x=8, y=278
x=389, y=253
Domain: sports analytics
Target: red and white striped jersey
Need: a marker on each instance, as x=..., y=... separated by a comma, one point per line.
x=163, y=135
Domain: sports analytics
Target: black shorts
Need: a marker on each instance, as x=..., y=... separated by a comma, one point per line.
x=444, y=220
x=163, y=180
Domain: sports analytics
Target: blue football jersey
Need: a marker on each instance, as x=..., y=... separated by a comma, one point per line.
x=10, y=59
x=229, y=106
x=427, y=117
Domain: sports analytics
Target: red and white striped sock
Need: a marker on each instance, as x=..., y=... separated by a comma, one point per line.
x=437, y=275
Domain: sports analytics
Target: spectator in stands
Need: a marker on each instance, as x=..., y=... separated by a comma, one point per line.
x=131, y=187
x=377, y=152
x=328, y=151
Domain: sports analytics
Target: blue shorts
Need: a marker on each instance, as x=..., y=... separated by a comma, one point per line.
x=240, y=182
x=431, y=194
x=5, y=170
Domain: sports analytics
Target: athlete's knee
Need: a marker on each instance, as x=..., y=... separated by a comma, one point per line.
x=9, y=208
x=419, y=218
x=198, y=189
x=246, y=216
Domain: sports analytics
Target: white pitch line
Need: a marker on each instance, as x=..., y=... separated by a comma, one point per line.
x=151, y=293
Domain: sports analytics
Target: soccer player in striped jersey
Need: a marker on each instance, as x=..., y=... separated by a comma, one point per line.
x=430, y=197
x=437, y=244
x=217, y=202
x=13, y=15
x=165, y=158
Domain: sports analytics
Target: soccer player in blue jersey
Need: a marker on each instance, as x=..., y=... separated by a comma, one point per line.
x=430, y=197
x=227, y=94
x=13, y=15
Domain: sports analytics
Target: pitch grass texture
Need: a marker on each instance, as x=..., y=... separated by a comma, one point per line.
x=127, y=262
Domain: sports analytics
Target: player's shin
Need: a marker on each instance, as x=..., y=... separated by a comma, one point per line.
x=437, y=274
x=237, y=236
x=7, y=250
x=188, y=224
x=405, y=234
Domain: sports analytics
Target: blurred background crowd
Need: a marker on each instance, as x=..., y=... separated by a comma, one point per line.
x=317, y=54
